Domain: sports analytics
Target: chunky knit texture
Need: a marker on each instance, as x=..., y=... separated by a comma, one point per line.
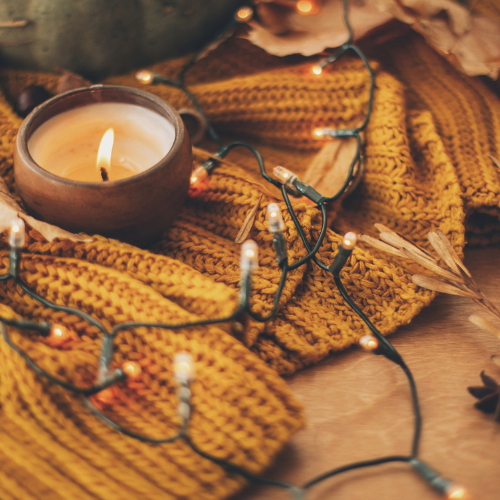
x=427, y=167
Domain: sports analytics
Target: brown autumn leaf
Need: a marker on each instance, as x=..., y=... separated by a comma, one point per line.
x=9, y=210
x=273, y=17
x=468, y=39
x=293, y=33
x=485, y=325
x=70, y=81
x=329, y=169
x=465, y=37
x=212, y=46
x=495, y=161
x=248, y=223
x=21, y=23
x=440, y=286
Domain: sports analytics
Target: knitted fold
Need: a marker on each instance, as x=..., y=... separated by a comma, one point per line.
x=427, y=166
x=242, y=410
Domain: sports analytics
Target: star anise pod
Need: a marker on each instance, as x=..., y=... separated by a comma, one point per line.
x=488, y=395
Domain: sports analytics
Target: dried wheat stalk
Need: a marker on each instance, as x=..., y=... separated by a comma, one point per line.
x=452, y=277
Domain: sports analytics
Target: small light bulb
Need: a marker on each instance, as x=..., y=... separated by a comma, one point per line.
x=274, y=218
x=199, y=175
x=183, y=367
x=318, y=133
x=456, y=492
x=17, y=233
x=249, y=256
x=244, y=14
x=304, y=6
x=132, y=369
x=58, y=335
x=283, y=174
x=349, y=241
x=317, y=70
x=368, y=343
x=106, y=397
x=307, y=7
x=144, y=76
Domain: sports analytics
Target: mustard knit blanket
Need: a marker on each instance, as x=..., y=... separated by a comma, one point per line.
x=428, y=166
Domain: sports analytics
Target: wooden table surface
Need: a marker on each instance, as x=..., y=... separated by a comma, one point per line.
x=358, y=407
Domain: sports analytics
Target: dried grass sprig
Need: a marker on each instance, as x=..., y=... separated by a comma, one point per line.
x=451, y=276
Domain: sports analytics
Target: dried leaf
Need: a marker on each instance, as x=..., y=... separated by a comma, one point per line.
x=9, y=210
x=14, y=24
x=212, y=46
x=273, y=17
x=399, y=241
x=380, y=245
x=467, y=39
x=440, y=286
x=70, y=81
x=431, y=266
x=16, y=44
x=329, y=169
x=495, y=161
x=485, y=325
x=443, y=251
x=452, y=252
x=248, y=223
x=309, y=35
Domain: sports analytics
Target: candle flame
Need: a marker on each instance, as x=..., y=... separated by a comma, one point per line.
x=104, y=154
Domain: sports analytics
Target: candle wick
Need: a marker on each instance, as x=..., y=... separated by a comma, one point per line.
x=104, y=174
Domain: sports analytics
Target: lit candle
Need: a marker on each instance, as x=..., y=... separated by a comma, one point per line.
x=129, y=184
x=68, y=145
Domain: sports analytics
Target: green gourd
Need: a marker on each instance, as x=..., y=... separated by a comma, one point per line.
x=96, y=38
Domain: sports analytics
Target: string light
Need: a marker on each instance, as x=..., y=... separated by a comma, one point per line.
x=274, y=218
x=287, y=178
x=184, y=368
x=198, y=176
x=349, y=241
x=307, y=7
x=106, y=397
x=249, y=261
x=456, y=492
x=244, y=14
x=317, y=69
x=106, y=393
x=58, y=335
x=132, y=369
x=17, y=233
x=368, y=343
x=145, y=77
x=345, y=249
x=276, y=226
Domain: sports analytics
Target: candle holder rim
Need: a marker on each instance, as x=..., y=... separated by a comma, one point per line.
x=176, y=120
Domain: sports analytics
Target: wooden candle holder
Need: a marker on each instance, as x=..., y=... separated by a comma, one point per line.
x=136, y=209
